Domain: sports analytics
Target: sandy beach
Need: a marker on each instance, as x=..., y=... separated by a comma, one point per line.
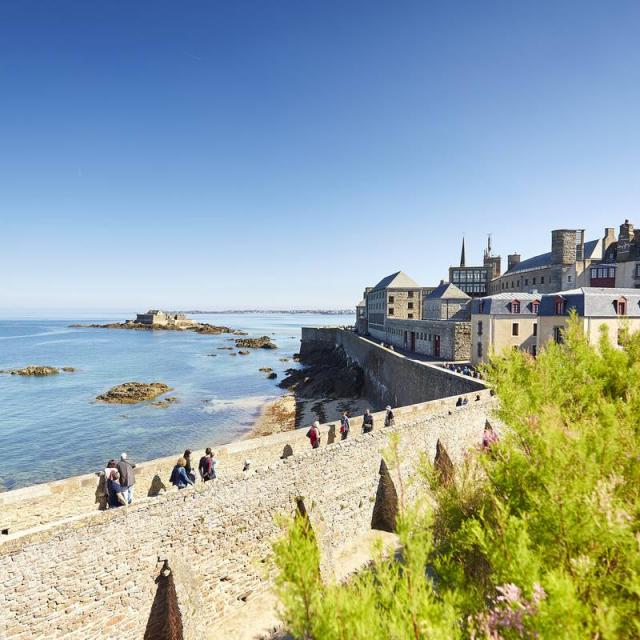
x=288, y=412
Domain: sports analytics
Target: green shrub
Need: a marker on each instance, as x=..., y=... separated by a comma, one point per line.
x=537, y=538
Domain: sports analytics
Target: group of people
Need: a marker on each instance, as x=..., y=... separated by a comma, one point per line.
x=183, y=473
x=116, y=483
x=345, y=426
x=465, y=370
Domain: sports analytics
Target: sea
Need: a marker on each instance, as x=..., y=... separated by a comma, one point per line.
x=52, y=427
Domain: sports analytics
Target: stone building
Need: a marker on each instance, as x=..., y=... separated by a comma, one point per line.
x=616, y=308
x=156, y=318
x=474, y=281
x=566, y=266
x=501, y=321
x=446, y=302
x=529, y=321
x=396, y=296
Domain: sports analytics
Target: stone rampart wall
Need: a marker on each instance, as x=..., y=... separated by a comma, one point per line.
x=92, y=577
x=40, y=504
x=390, y=378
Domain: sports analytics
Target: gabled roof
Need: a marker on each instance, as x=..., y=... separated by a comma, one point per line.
x=397, y=280
x=446, y=290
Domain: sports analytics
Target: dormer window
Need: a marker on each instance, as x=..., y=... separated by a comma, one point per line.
x=620, y=306
x=481, y=306
x=515, y=306
x=560, y=306
x=535, y=307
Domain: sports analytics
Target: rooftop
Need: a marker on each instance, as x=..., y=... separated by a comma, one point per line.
x=397, y=280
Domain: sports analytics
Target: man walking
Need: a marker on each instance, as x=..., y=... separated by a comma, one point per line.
x=127, y=477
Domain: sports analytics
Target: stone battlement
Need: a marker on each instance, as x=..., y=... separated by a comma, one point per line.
x=93, y=575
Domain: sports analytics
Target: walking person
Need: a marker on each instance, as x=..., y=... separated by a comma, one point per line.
x=116, y=491
x=179, y=476
x=187, y=465
x=127, y=477
x=389, y=420
x=314, y=435
x=344, y=425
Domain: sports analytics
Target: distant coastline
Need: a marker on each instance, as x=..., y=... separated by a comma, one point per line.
x=291, y=312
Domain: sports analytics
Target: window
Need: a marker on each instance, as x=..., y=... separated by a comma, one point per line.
x=568, y=278
x=533, y=281
x=391, y=311
x=479, y=349
x=410, y=305
x=541, y=279
x=535, y=307
x=560, y=306
x=481, y=306
x=410, y=294
x=612, y=271
x=526, y=282
x=515, y=307
x=637, y=270
x=391, y=299
x=515, y=329
x=557, y=335
x=411, y=316
x=535, y=330
x=479, y=327
x=620, y=306
x=512, y=284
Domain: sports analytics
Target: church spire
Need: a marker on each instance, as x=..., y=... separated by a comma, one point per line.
x=462, y=259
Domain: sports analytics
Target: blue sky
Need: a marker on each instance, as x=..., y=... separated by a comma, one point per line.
x=286, y=154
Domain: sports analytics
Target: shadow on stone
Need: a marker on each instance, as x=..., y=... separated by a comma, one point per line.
x=165, y=621
x=157, y=486
x=287, y=452
x=385, y=510
x=331, y=435
x=443, y=465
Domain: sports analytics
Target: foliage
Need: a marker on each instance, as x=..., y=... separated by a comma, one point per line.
x=537, y=538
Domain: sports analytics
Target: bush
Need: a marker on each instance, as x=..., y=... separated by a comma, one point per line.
x=537, y=538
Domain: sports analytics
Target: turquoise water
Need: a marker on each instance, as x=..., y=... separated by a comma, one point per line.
x=51, y=427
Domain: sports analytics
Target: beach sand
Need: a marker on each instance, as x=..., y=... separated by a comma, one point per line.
x=288, y=412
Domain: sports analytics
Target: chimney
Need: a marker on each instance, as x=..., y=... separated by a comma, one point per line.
x=626, y=231
x=563, y=246
x=608, y=239
x=512, y=260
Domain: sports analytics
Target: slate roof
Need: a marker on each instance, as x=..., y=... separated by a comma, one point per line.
x=397, y=280
x=447, y=290
x=500, y=303
x=592, y=250
x=593, y=301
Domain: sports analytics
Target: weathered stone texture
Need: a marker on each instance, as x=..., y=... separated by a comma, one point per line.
x=93, y=577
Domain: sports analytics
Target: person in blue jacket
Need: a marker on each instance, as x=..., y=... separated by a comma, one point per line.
x=179, y=476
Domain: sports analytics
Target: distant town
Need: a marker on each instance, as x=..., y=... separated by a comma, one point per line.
x=322, y=312
x=480, y=309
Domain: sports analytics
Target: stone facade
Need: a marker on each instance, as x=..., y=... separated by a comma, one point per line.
x=93, y=576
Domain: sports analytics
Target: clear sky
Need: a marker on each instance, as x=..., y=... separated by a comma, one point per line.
x=287, y=153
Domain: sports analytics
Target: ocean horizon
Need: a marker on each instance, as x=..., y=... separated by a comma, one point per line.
x=52, y=427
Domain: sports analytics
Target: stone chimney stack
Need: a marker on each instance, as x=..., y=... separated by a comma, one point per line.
x=563, y=246
x=608, y=239
x=626, y=231
x=512, y=260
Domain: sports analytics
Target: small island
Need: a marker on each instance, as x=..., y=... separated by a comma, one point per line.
x=154, y=320
x=135, y=392
x=37, y=370
x=263, y=342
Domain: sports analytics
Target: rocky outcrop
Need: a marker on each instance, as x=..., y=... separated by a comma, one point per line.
x=327, y=375
x=165, y=402
x=272, y=376
x=244, y=353
x=36, y=370
x=263, y=342
x=133, y=392
x=198, y=327
x=443, y=465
